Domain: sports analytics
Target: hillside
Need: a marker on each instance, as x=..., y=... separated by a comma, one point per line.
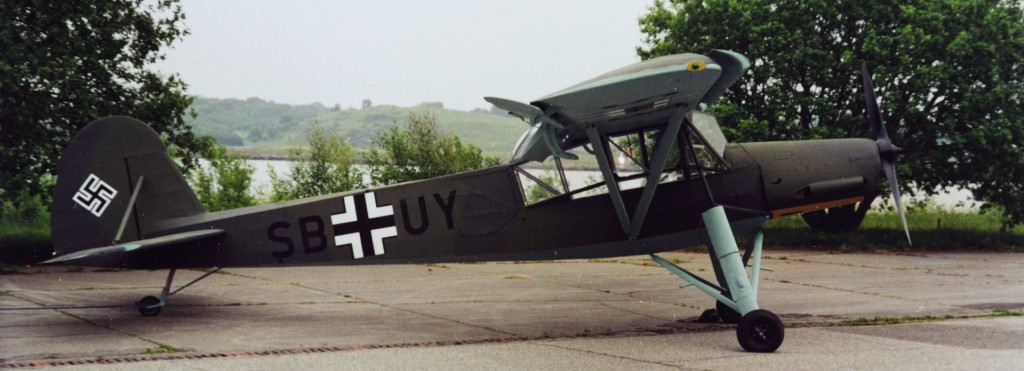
x=258, y=125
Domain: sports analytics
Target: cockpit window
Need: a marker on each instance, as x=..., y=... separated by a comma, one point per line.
x=710, y=133
x=698, y=149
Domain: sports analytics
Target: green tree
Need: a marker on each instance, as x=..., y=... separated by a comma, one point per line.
x=226, y=183
x=65, y=64
x=327, y=169
x=419, y=150
x=535, y=192
x=949, y=75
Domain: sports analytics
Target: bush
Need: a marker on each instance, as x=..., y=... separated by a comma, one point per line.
x=24, y=230
x=328, y=169
x=419, y=150
x=536, y=192
x=225, y=183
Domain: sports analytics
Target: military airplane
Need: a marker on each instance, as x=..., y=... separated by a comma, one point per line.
x=121, y=202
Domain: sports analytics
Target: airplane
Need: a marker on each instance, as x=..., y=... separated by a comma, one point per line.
x=121, y=202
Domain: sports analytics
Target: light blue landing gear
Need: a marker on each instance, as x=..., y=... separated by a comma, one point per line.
x=150, y=306
x=758, y=330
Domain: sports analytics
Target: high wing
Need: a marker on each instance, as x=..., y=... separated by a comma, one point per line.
x=631, y=98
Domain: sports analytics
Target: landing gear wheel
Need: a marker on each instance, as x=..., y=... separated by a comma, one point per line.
x=726, y=313
x=146, y=306
x=760, y=331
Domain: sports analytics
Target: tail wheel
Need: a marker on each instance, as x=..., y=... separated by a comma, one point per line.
x=760, y=331
x=147, y=306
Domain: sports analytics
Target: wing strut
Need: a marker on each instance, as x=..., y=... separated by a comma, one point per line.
x=601, y=153
x=657, y=166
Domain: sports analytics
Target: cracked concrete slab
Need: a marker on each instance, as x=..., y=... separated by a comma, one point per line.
x=615, y=313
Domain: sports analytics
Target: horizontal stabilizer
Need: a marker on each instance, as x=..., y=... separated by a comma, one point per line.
x=111, y=255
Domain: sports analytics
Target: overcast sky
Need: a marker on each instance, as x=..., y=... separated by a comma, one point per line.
x=401, y=52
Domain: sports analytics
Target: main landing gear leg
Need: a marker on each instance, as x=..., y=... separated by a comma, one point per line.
x=758, y=330
x=150, y=306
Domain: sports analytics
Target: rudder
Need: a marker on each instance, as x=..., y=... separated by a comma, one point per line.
x=96, y=177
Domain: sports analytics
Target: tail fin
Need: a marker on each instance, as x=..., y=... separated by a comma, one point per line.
x=97, y=177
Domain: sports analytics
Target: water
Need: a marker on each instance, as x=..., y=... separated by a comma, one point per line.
x=261, y=175
x=950, y=199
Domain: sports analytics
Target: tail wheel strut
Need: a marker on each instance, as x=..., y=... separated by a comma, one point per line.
x=150, y=305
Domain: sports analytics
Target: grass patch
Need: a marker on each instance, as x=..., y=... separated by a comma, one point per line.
x=1007, y=313
x=862, y=321
x=894, y=320
x=931, y=230
x=162, y=349
x=24, y=235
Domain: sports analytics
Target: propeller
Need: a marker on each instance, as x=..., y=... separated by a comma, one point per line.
x=533, y=115
x=886, y=150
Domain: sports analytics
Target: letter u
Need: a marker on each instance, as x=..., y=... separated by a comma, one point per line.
x=424, y=223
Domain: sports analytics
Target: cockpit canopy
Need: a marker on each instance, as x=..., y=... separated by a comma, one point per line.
x=707, y=140
x=698, y=148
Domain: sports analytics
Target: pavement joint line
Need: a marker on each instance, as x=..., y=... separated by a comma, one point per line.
x=792, y=317
x=428, y=315
x=469, y=267
x=486, y=328
x=382, y=305
x=539, y=340
x=919, y=301
x=234, y=274
x=107, y=327
x=841, y=264
x=878, y=294
x=543, y=340
x=634, y=298
x=591, y=352
x=607, y=305
x=344, y=348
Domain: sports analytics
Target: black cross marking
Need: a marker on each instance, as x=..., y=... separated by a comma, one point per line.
x=364, y=225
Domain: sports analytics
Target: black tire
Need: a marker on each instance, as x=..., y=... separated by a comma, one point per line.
x=726, y=313
x=146, y=306
x=709, y=316
x=760, y=331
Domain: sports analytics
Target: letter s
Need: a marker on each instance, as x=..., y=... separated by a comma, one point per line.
x=281, y=239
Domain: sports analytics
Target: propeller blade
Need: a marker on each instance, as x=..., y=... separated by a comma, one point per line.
x=552, y=143
x=873, y=114
x=886, y=151
x=890, y=174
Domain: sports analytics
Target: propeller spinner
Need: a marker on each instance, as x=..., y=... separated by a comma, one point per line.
x=886, y=150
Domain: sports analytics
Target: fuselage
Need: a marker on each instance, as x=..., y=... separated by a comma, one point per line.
x=482, y=215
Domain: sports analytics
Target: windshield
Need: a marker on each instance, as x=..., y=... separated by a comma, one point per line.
x=710, y=133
